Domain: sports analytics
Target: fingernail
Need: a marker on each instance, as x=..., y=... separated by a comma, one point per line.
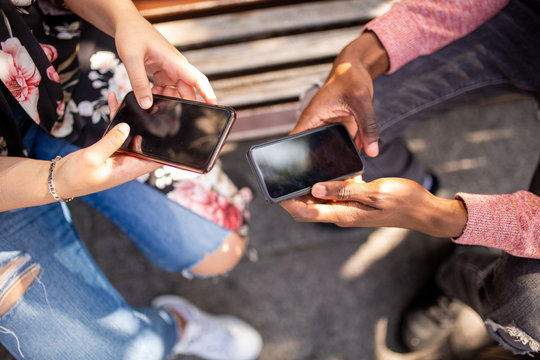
x=318, y=190
x=146, y=102
x=372, y=149
x=123, y=128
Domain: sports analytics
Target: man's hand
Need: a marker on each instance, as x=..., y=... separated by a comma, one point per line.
x=386, y=202
x=346, y=96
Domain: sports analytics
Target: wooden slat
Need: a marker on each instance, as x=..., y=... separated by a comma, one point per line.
x=264, y=122
x=273, y=86
x=272, y=52
x=157, y=9
x=280, y=19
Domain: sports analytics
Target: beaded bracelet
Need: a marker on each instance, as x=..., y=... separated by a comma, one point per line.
x=51, y=183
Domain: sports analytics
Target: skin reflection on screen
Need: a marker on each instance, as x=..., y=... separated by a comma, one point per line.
x=175, y=131
x=298, y=163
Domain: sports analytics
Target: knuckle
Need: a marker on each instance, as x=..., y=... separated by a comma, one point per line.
x=344, y=193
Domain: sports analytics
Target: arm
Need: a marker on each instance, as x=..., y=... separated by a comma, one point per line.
x=23, y=181
x=411, y=28
x=386, y=202
x=144, y=51
x=508, y=222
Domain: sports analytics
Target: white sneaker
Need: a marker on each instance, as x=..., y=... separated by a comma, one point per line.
x=211, y=337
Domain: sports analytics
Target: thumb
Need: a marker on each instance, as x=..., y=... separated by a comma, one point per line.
x=110, y=143
x=338, y=190
x=139, y=82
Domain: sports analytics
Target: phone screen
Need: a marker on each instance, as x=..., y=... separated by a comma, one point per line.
x=290, y=166
x=176, y=132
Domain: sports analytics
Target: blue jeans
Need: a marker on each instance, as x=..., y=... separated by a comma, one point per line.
x=71, y=311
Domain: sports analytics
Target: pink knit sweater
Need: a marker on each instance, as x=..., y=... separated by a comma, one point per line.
x=413, y=28
x=509, y=222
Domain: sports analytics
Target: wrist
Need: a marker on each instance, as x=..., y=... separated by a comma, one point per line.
x=51, y=182
x=448, y=218
x=369, y=52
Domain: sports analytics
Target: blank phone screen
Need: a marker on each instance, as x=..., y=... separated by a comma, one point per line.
x=296, y=163
x=174, y=130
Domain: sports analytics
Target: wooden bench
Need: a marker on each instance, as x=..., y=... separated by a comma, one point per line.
x=261, y=55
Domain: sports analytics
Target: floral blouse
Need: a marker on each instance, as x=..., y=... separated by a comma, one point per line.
x=59, y=69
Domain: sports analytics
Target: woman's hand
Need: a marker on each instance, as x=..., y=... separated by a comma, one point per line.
x=386, y=202
x=145, y=52
x=23, y=181
x=98, y=167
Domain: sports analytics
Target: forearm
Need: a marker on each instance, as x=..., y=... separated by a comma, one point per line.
x=104, y=14
x=510, y=222
x=367, y=51
x=23, y=183
x=413, y=28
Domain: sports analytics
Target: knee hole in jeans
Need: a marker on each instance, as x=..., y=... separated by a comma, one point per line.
x=15, y=281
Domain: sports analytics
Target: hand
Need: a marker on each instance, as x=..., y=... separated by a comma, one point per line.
x=346, y=96
x=98, y=167
x=144, y=51
x=392, y=202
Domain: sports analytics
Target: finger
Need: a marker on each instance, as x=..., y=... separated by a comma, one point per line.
x=113, y=104
x=190, y=75
x=300, y=210
x=160, y=78
x=339, y=191
x=139, y=80
x=170, y=91
x=186, y=91
x=109, y=144
x=368, y=128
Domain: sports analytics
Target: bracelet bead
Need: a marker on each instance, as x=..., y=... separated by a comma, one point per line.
x=50, y=181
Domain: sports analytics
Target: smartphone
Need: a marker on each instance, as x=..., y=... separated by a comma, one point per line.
x=288, y=167
x=185, y=134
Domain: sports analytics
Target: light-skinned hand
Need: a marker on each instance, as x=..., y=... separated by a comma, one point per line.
x=98, y=167
x=145, y=52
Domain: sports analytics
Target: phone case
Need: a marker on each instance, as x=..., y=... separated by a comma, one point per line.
x=260, y=178
x=201, y=169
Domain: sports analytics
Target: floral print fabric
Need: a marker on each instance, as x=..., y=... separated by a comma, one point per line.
x=60, y=70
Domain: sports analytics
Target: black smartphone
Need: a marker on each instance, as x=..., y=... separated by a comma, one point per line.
x=175, y=132
x=288, y=167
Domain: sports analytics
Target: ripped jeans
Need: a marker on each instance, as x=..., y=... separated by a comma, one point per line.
x=503, y=289
x=55, y=303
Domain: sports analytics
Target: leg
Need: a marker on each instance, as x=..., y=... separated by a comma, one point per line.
x=170, y=235
x=503, y=289
x=53, y=293
x=496, y=58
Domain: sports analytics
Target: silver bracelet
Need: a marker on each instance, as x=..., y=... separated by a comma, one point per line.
x=51, y=183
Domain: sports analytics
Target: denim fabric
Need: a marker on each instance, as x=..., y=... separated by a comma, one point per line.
x=170, y=235
x=500, y=56
x=71, y=311
x=71, y=304
x=503, y=289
